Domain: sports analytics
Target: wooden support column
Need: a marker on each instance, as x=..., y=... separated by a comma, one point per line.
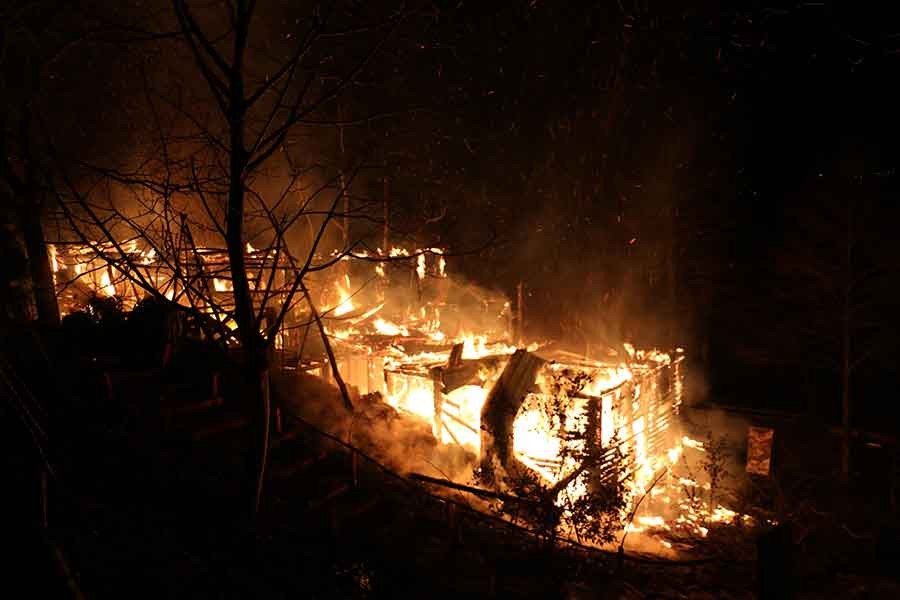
x=438, y=403
x=520, y=314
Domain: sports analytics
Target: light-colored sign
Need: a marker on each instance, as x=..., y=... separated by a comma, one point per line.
x=759, y=450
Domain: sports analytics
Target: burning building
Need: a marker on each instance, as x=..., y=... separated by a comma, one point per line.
x=441, y=352
x=497, y=402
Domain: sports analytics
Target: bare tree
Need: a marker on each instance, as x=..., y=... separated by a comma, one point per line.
x=835, y=277
x=24, y=53
x=232, y=164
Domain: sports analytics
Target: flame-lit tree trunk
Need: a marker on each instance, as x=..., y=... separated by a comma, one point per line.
x=234, y=105
x=280, y=100
x=255, y=347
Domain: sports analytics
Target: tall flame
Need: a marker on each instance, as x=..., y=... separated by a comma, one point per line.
x=106, y=285
x=51, y=248
x=345, y=302
x=420, y=266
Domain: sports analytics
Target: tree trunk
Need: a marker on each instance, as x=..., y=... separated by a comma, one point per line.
x=263, y=398
x=342, y=181
x=252, y=342
x=39, y=263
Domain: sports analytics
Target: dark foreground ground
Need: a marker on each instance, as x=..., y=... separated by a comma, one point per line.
x=151, y=495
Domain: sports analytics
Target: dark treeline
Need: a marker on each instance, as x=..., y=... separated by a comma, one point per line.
x=665, y=172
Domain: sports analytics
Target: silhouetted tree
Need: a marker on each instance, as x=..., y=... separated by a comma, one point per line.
x=836, y=284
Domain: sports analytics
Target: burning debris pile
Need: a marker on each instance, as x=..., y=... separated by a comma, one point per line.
x=442, y=353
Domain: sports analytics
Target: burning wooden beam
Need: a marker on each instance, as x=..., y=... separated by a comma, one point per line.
x=500, y=409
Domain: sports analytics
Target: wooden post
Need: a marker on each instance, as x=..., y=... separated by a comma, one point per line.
x=520, y=315
x=438, y=403
x=455, y=360
x=418, y=280
x=386, y=233
x=343, y=180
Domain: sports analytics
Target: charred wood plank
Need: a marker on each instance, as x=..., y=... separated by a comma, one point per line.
x=455, y=359
x=499, y=412
x=464, y=374
x=480, y=492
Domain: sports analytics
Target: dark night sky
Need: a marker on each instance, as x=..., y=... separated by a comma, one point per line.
x=596, y=139
x=763, y=110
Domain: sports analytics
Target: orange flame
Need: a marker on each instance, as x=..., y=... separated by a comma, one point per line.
x=106, y=285
x=345, y=303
